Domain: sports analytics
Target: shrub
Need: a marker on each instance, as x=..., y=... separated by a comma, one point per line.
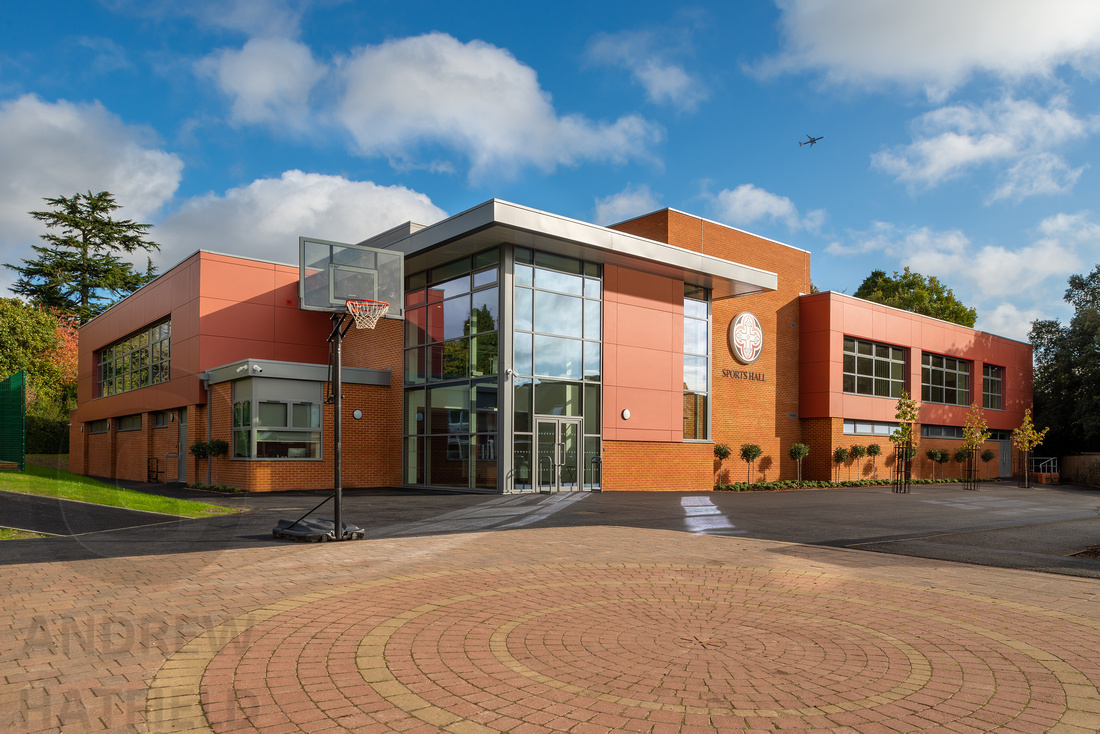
x=47, y=436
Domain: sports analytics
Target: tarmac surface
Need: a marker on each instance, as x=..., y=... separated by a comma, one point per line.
x=659, y=612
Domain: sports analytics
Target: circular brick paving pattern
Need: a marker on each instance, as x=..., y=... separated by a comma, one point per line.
x=592, y=648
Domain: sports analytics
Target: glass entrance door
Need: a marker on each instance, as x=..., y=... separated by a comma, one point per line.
x=559, y=454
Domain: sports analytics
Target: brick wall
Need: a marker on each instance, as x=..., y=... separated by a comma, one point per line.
x=658, y=465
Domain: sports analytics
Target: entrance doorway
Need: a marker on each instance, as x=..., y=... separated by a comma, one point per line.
x=1006, y=459
x=558, y=453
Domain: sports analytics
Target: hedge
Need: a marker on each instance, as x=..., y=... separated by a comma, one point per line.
x=45, y=436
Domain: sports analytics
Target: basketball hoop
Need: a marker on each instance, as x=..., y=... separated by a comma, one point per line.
x=366, y=311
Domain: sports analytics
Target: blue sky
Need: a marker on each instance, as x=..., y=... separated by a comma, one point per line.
x=958, y=136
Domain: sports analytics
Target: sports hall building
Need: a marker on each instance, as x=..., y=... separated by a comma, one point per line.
x=524, y=352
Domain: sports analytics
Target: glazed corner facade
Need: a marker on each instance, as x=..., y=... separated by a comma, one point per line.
x=235, y=320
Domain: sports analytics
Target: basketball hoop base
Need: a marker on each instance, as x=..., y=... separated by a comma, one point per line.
x=317, y=530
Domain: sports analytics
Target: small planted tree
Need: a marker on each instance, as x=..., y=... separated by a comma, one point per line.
x=750, y=452
x=962, y=457
x=975, y=434
x=798, y=452
x=933, y=456
x=904, y=440
x=217, y=448
x=874, y=450
x=857, y=453
x=987, y=456
x=943, y=458
x=840, y=455
x=721, y=453
x=1025, y=439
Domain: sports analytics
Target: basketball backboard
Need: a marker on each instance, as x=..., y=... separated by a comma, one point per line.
x=329, y=273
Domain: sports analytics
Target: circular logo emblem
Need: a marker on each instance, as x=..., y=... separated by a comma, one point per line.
x=746, y=338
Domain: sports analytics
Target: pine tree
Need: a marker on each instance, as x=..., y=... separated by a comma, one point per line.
x=79, y=270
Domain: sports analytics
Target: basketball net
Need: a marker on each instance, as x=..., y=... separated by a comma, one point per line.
x=366, y=311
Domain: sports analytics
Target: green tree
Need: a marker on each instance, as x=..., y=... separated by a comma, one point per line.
x=857, y=453
x=874, y=450
x=750, y=452
x=1067, y=369
x=840, y=455
x=987, y=456
x=79, y=270
x=933, y=456
x=36, y=340
x=798, y=452
x=917, y=293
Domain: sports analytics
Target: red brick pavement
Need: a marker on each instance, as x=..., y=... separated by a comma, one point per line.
x=576, y=629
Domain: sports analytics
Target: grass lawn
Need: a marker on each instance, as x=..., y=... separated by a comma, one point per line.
x=13, y=534
x=56, y=482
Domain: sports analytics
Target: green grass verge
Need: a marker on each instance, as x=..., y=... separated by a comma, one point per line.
x=13, y=534
x=49, y=482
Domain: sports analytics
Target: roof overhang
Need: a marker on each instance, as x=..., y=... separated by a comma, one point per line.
x=270, y=368
x=496, y=222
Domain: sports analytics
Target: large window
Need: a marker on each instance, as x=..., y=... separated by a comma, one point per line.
x=873, y=369
x=944, y=380
x=992, y=387
x=696, y=362
x=557, y=326
x=137, y=361
x=452, y=315
x=276, y=419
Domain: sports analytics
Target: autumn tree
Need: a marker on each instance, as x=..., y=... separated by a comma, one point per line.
x=44, y=345
x=1067, y=369
x=917, y=293
x=80, y=269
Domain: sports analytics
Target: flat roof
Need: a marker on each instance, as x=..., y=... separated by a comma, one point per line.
x=495, y=222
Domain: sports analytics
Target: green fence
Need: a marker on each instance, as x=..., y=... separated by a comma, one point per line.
x=13, y=420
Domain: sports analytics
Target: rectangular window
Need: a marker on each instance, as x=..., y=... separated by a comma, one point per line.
x=129, y=422
x=99, y=426
x=160, y=419
x=873, y=369
x=993, y=387
x=696, y=363
x=944, y=380
x=941, y=432
x=139, y=360
x=868, y=428
x=276, y=419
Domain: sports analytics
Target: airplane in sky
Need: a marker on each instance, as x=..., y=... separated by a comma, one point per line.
x=811, y=140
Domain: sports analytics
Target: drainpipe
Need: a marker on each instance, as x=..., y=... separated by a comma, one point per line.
x=205, y=376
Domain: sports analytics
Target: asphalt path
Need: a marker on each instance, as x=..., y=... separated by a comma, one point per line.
x=999, y=525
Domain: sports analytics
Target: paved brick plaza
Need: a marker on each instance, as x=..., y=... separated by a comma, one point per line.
x=570, y=629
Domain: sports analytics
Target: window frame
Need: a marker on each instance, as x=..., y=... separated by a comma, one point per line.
x=929, y=370
x=142, y=359
x=697, y=402
x=894, y=385
x=988, y=379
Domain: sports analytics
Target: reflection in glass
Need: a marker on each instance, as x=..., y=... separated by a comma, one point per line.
x=522, y=347
x=484, y=400
x=414, y=366
x=552, y=280
x=456, y=315
x=485, y=277
x=695, y=416
x=557, y=398
x=414, y=411
x=525, y=275
x=483, y=316
x=695, y=336
x=449, y=409
x=522, y=316
x=591, y=408
x=695, y=374
x=591, y=319
x=521, y=403
x=484, y=349
x=558, y=314
x=456, y=358
x=557, y=357
x=591, y=360
x=484, y=453
x=695, y=309
x=522, y=461
x=448, y=460
x=592, y=288
x=593, y=470
x=288, y=444
x=414, y=460
x=547, y=453
x=415, y=326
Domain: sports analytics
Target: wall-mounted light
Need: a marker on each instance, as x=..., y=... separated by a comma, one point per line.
x=171, y=416
x=356, y=414
x=626, y=414
x=258, y=368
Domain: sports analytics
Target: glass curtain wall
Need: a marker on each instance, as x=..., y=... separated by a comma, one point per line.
x=452, y=315
x=557, y=324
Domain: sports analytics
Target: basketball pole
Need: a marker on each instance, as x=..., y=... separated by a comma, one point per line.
x=337, y=423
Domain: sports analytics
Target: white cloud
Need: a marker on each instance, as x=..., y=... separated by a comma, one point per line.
x=631, y=202
x=640, y=53
x=935, y=44
x=269, y=81
x=747, y=204
x=953, y=140
x=265, y=218
x=50, y=149
x=477, y=99
x=1009, y=286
